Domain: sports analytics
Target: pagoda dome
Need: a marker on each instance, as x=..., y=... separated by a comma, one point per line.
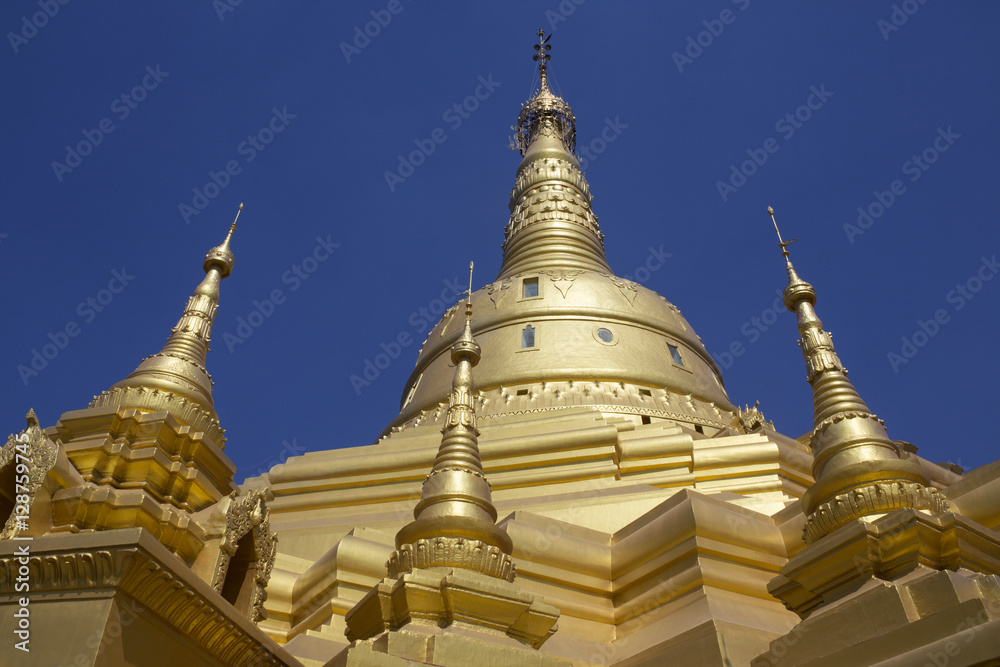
x=557, y=327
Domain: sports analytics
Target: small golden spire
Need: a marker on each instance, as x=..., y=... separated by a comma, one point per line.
x=456, y=502
x=858, y=470
x=179, y=368
x=221, y=256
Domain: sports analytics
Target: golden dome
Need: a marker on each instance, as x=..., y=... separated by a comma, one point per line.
x=557, y=327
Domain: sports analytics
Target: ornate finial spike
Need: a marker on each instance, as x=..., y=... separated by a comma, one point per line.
x=232, y=227
x=472, y=265
x=781, y=243
x=542, y=56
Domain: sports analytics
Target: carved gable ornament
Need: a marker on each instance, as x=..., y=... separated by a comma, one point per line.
x=752, y=419
x=246, y=554
x=25, y=460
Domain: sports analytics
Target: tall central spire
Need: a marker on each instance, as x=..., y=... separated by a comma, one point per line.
x=551, y=223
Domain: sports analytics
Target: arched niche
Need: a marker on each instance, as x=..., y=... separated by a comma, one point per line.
x=246, y=554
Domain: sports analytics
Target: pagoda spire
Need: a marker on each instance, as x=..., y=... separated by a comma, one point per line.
x=455, y=521
x=858, y=470
x=551, y=223
x=179, y=368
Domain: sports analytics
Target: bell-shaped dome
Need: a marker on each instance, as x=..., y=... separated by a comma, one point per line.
x=557, y=327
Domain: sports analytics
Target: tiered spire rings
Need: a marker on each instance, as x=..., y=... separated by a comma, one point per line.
x=858, y=470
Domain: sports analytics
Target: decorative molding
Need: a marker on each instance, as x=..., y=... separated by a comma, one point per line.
x=130, y=569
x=556, y=197
x=628, y=409
x=185, y=411
x=451, y=552
x=869, y=500
x=841, y=416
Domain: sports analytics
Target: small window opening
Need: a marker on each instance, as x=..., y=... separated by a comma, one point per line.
x=645, y=392
x=237, y=588
x=675, y=354
x=605, y=335
x=528, y=336
x=530, y=287
x=646, y=420
x=522, y=392
x=699, y=429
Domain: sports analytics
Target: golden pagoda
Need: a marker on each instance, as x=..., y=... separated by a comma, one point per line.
x=566, y=483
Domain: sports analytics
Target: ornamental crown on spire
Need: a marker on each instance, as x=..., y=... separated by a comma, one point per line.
x=546, y=113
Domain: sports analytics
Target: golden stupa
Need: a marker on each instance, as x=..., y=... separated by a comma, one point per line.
x=566, y=483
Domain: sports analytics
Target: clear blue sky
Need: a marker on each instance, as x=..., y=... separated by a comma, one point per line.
x=308, y=117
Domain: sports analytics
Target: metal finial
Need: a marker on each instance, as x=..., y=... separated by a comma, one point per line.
x=781, y=243
x=468, y=301
x=232, y=227
x=543, y=48
x=472, y=265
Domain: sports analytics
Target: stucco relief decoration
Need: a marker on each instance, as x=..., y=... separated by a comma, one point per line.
x=32, y=455
x=562, y=280
x=751, y=419
x=249, y=514
x=677, y=312
x=628, y=288
x=498, y=290
x=446, y=319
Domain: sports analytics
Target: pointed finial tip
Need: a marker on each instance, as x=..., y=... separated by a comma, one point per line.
x=783, y=244
x=241, y=206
